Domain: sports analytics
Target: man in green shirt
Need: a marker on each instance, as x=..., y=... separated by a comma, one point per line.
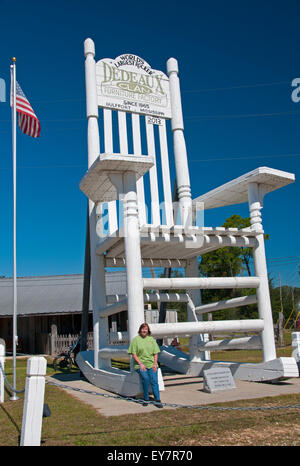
x=144, y=350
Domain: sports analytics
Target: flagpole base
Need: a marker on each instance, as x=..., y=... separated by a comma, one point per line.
x=14, y=397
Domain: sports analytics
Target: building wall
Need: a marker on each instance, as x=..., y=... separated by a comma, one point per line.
x=33, y=331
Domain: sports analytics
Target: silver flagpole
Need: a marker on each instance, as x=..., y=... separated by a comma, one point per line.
x=14, y=144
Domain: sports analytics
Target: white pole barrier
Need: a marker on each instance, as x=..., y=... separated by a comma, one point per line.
x=33, y=402
x=2, y=360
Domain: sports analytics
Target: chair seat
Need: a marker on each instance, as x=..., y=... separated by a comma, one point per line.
x=164, y=242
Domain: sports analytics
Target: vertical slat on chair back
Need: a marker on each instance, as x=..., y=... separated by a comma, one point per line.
x=108, y=136
x=155, y=214
x=137, y=150
x=166, y=173
x=108, y=147
x=123, y=132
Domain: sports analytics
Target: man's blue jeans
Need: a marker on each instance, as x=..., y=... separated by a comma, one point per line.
x=149, y=376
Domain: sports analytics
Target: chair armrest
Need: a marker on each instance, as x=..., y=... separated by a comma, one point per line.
x=236, y=191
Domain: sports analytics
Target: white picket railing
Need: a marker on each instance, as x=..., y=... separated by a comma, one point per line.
x=61, y=343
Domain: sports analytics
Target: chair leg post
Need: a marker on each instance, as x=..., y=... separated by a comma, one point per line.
x=255, y=196
x=264, y=301
x=133, y=257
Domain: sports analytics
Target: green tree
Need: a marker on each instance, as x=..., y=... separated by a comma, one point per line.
x=236, y=221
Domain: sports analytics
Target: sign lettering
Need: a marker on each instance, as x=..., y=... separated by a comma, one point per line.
x=128, y=83
x=154, y=121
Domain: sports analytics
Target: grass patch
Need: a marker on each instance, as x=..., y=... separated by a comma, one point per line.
x=73, y=423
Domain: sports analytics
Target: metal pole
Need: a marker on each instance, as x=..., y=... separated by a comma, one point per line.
x=14, y=143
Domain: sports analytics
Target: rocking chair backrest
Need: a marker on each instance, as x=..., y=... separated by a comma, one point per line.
x=140, y=96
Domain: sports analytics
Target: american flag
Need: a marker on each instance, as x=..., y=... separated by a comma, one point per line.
x=27, y=119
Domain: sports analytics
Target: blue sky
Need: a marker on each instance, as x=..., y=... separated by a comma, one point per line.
x=237, y=61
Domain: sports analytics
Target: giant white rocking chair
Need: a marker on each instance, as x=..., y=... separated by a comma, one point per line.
x=141, y=97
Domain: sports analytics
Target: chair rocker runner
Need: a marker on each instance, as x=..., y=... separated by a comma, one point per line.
x=138, y=104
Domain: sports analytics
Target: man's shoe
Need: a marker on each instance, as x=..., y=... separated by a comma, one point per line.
x=158, y=404
x=145, y=402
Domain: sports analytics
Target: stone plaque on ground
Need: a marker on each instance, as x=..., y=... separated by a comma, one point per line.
x=217, y=379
